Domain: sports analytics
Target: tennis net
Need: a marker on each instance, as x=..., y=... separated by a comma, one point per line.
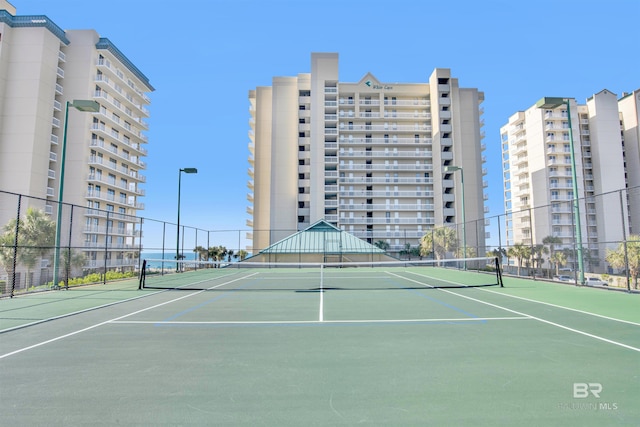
x=320, y=276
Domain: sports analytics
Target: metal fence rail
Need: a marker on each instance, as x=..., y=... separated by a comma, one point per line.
x=98, y=245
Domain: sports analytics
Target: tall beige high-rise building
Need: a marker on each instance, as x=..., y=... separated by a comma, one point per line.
x=538, y=177
x=369, y=157
x=43, y=69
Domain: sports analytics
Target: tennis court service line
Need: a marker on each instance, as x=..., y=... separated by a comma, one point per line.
x=319, y=322
x=88, y=328
x=62, y=316
x=563, y=307
x=577, y=331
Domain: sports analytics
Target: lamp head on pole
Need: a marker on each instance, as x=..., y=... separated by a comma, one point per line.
x=452, y=168
x=189, y=170
x=85, y=105
x=549, y=103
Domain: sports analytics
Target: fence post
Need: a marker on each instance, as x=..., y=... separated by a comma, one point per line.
x=533, y=250
x=68, y=262
x=624, y=240
x=15, y=247
x=106, y=250
x=140, y=245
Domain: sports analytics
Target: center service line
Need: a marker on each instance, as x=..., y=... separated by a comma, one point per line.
x=321, y=314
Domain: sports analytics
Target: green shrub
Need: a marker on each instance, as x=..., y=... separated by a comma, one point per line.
x=95, y=278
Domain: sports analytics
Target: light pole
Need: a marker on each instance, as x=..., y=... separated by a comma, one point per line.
x=464, y=221
x=86, y=106
x=185, y=170
x=550, y=103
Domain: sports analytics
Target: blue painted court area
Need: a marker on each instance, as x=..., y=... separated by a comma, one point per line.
x=393, y=353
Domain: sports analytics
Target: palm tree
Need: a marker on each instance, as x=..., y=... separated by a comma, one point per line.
x=242, y=254
x=381, y=244
x=214, y=253
x=218, y=253
x=72, y=260
x=410, y=251
x=439, y=241
x=203, y=253
x=223, y=253
x=537, y=253
x=7, y=241
x=558, y=258
x=519, y=251
x=498, y=252
x=230, y=254
x=617, y=258
x=36, y=235
x=470, y=252
x=552, y=241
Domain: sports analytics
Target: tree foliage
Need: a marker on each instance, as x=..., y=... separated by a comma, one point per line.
x=381, y=244
x=616, y=258
x=520, y=252
x=439, y=242
x=36, y=235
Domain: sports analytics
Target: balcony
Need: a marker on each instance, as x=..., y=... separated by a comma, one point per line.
x=384, y=221
x=385, y=154
x=384, y=193
x=382, y=180
x=382, y=167
x=386, y=141
x=381, y=207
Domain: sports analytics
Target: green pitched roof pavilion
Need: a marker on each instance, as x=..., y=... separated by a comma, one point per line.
x=322, y=238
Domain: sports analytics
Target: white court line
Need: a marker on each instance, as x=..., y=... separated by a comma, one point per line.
x=62, y=316
x=304, y=322
x=70, y=334
x=321, y=309
x=208, y=280
x=523, y=314
x=566, y=308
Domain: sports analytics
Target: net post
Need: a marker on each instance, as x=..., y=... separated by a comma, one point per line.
x=499, y=273
x=143, y=274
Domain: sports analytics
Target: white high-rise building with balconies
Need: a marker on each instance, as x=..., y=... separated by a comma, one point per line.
x=369, y=157
x=42, y=68
x=538, y=176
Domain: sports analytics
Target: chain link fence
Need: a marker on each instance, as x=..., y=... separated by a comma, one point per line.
x=586, y=241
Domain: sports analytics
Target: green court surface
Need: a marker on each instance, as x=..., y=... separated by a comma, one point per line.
x=279, y=348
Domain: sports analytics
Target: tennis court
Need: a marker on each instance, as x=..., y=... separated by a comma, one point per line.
x=335, y=346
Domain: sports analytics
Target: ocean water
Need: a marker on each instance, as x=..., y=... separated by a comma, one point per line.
x=169, y=256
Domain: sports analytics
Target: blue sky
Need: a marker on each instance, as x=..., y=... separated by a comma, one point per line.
x=203, y=56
